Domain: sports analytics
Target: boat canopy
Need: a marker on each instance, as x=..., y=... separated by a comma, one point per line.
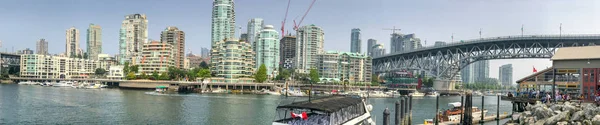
x=328, y=104
x=161, y=87
x=454, y=104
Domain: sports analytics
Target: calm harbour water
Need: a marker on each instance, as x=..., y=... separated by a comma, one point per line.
x=28, y=104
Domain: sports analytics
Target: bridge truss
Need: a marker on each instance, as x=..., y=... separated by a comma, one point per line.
x=446, y=61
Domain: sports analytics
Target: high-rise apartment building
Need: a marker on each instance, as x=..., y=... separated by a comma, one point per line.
x=72, y=42
x=46, y=66
x=505, y=75
x=132, y=36
x=25, y=51
x=232, y=61
x=255, y=26
x=42, y=47
x=287, y=48
x=94, y=41
x=223, y=21
x=342, y=66
x=172, y=35
x=370, y=44
x=204, y=52
x=156, y=57
x=266, y=47
x=355, y=41
x=310, y=40
x=377, y=50
x=402, y=43
x=477, y=72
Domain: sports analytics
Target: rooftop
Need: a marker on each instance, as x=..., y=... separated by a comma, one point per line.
x=577, y=53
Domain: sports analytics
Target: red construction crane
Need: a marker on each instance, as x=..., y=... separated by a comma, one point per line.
x=285, y=18
x=302, y=19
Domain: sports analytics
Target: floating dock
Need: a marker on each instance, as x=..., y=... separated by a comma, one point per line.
x=488, y=118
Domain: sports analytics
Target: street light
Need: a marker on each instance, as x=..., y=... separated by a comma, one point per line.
x=311, y=89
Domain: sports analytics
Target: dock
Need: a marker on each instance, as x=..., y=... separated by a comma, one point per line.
x=490, y=118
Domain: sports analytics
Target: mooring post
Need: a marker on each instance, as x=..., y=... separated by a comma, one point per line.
x=386, y=117
x=437, y=106
x=402, y=110
x=498, y=109
x=462, y=103
x=410, y=98
x=482, y=107
x=397, y=112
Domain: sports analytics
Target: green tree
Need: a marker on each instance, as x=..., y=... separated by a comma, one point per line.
x=193, y=74
x=204, y=73
x=164, y=76
x=79, y=56
x=85, y=55
x=143, y=75
x=155, y=75
x=203, y=65
x=130, y=76
x=261, y=74
x=134, y=68
x=100, y=71
x=283, y=74
x=374, y=79
x=314, y=75
x=126, y=68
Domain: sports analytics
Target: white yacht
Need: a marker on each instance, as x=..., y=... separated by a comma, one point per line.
x=378, y=94
x=393, y=93
x=63, y=84
x=330, y=110
x=296, y=92
x=433, y=94
x=219, y=90
x=417, y=94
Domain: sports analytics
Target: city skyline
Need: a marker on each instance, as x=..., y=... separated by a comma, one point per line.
x=433, y=25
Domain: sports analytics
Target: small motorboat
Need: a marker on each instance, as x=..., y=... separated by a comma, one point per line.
x=417, y=94
x=161, y=89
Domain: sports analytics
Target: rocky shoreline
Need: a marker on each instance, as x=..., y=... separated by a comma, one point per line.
x=559, y=114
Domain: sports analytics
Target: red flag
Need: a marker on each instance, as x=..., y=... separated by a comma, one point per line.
x=304, y=116
x=534, y=70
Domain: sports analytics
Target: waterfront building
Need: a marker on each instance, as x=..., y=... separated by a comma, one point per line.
x=132, y=35
x=266, y=47
x=232, y=61
x=476, y=72
x=105, y=61
x=42, y=47
x=156, y=57
x=377, y=50
x=505, y=75
x=94, y=41
x=255, y=27
x=402, y=43
x=204, y=52
x=223, y=21
x=175, y=37
x=309, y=41
x=439, y=43
x=25, y=51
x=287, y=52
x=115, y=72
x=72, y=42
x=355, y=41
x=194, y=60
x=344, y=66
x=46, y=66
x=370, y=44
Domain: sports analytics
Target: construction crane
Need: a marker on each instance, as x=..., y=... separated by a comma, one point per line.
x=305, y=13
x=393, y=29
x=285, y=18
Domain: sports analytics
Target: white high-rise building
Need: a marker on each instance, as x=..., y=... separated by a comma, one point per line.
x=72, y=42
x=310, y=40
x=267, y=50
x=42, y=47
x=133, y=35
x=223, y=21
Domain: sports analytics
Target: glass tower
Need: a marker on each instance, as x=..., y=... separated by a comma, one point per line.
x=267, y=50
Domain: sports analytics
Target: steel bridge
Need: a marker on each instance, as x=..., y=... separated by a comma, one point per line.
x=9, y=61
x=445, y=62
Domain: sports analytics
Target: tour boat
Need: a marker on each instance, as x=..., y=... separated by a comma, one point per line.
x=453, y=114
x=433, y=94
x=161, y=89
x=63, y=84
x=329, y=110
x=417, y=94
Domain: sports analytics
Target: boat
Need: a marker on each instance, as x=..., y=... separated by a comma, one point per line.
x=25, y=83
x=432, y=94
x=63, y=84
x=417, y=94
x=477, y=93
x=93, y=86
x=378, y=94
x=295, y=92
x=393, y=93
x=161, y=89
x=328, y=110
x=455, y=111
x=268, y=92
x=219, y=90
x=103, y=86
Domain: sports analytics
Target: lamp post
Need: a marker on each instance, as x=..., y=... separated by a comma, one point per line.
x=311, y=89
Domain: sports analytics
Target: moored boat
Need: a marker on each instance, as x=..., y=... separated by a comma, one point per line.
x=63, y=84
x=455, y=111
x=161, y=89
x=330, y=110
x=417, y=94
x=433, y=94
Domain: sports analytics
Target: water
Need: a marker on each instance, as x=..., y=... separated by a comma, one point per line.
x=24, y=104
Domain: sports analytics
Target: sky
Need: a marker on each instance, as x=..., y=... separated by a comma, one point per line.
x=23, y=22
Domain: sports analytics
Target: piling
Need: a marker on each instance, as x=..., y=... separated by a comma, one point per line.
x=468, y=115
x=410, y=109
x=386, y=117
x=462, y=107
x=437, y=106
x=397, y=115
x=482, y=104
x=498, y=109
